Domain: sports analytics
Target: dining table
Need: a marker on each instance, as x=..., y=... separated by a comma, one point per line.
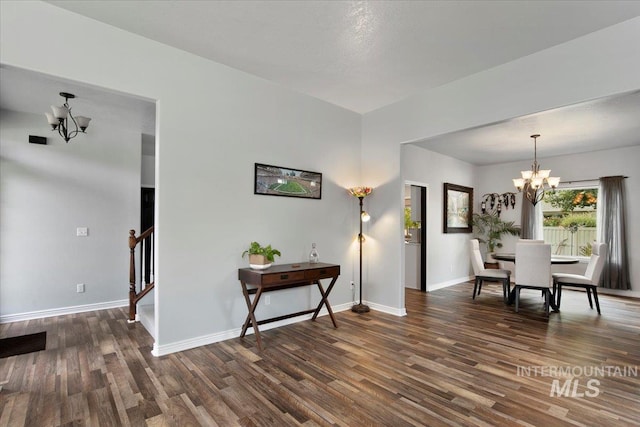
x=555, y=259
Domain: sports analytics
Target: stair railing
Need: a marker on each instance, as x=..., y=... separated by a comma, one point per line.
x=147, y=282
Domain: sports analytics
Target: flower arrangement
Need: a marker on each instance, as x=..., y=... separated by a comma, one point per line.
x=360, y=191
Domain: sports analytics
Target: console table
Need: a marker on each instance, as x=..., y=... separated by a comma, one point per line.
x=285, y=276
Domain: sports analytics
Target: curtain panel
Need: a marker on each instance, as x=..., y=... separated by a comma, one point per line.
x=613, y=232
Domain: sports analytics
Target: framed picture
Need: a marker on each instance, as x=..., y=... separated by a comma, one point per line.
x=458, y=208
x=279, y=181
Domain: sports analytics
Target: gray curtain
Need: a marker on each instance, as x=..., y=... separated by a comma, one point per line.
x=527, y=217
x=613, y=230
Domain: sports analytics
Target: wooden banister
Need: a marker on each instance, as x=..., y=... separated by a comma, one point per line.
x=146, y=268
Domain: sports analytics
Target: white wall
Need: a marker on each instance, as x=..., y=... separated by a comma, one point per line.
x=447, y=255
x=148, y=168
x=46, y=192
x=599, y=64
x=212, y=124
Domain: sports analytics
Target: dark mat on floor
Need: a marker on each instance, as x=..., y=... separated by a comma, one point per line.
x=22, y=344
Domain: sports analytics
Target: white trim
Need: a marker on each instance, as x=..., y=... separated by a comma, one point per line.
x=190, y=343
x=8, y=318
x=386, y=309
x=448, y=283
x=618, y=292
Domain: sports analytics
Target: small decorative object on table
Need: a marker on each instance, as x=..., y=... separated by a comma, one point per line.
x=260, y=257
x=314, y=257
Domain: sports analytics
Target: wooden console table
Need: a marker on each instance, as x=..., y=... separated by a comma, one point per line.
x=285, y=276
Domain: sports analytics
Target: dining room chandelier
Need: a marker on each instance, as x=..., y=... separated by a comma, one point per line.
x=63, y=121
x=533, y=181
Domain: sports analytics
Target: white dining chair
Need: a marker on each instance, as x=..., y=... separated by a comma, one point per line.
x=533, y=271
x=589, y=281
x=487, y=274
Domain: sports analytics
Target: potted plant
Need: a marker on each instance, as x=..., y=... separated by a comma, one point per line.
x=409, y=224
x=260, y=257
x=489, y=229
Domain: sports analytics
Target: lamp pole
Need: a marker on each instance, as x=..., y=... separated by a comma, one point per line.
x=360, y=308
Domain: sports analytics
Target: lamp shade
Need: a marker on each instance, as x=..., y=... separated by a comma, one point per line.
x=553, y=181
x=83, y=122
x=518, y=183
x=60, y=112
x=52, y=120
x=360, y=191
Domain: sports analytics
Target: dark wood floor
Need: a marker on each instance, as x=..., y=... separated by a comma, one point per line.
x=450, y=361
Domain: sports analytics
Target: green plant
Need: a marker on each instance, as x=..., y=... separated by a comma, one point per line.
x=408, y=222
x=568, y=200
x=552, y=221
x=267, y=251
x=586, y=250
x=573, y=221
x=489, y=229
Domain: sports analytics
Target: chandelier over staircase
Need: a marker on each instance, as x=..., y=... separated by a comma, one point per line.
x=59, y=120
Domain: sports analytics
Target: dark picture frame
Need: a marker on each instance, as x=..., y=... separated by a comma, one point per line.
x=270, y=180
x=457, y=208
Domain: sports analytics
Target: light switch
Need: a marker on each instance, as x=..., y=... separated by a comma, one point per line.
x=82, y=231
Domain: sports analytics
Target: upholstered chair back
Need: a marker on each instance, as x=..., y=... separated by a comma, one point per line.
x=533, y=264
x=596, y=262
x=476, y=256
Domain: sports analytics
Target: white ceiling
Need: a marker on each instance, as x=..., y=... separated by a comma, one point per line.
x=364, y=55
x=602, y=124
x=361, y=55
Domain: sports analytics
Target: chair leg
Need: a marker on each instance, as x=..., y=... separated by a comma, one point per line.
x=547, y=296
x=589, y=296
x=517, y=298
x=475, y=288
x=559, y=295
x=506, y=290
x=595, y=296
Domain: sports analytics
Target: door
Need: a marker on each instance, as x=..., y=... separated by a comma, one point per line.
x=415, y=235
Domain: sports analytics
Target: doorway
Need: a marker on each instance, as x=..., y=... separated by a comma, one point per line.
x=415, y=236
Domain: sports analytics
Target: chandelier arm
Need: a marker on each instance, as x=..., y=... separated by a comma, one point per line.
x=75, y=132
x=62, y=130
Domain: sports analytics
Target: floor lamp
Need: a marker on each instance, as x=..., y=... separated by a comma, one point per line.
x=361, y=193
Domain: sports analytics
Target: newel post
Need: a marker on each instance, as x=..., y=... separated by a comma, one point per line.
x=132, y=275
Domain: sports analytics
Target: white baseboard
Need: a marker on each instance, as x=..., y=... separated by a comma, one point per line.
x=146, y=317
x=448, y=283
x=8, y=318
x=618, y=292
x=190, y=343
x=400, y=312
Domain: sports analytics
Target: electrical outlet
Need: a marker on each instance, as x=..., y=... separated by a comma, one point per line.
x=80, y=287
x=267, y=299
x=82, y=231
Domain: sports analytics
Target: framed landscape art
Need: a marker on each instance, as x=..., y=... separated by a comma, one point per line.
x=458, y=208
x=280, y=181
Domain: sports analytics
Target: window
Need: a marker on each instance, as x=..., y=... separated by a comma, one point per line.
x=570, y=220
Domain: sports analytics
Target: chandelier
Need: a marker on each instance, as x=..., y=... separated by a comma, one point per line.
x=534, y=180
x=59, y=120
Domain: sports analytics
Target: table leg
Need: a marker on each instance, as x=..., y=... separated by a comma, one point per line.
x=251, y=318
x=325, y=301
